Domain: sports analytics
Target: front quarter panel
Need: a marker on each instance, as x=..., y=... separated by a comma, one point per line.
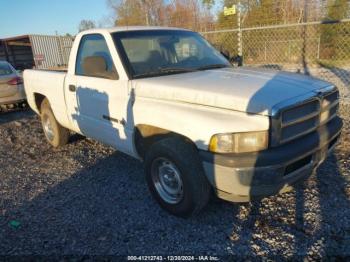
x=196, y=122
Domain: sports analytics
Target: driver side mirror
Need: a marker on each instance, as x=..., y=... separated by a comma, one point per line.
x=232, y=59
x=96, y=66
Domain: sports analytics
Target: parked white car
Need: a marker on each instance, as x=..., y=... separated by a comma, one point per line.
x=167, y=97
x=11, y=87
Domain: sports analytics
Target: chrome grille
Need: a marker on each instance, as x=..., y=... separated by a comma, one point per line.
x=300, y=112
x=298, y=129
x=330, y=105
x=302, y=118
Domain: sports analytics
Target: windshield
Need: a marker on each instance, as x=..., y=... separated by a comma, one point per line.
x=5, y=69
x=161, y=52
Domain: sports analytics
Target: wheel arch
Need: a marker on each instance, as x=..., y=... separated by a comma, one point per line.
x=38, y=99
x=146, y=135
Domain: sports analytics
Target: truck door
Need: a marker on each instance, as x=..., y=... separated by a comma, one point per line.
x=97, y=100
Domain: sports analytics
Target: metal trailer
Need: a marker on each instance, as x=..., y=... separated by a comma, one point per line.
x=36, y=51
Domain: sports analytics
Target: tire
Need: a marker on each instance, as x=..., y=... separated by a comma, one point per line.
x=179, y=158
x=55, y=134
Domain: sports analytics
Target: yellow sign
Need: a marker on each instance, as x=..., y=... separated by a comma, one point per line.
x=230, y=10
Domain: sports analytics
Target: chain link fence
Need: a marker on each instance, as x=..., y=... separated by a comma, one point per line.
x=319, y=49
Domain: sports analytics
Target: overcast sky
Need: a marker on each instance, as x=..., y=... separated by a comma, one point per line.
x=19, y=17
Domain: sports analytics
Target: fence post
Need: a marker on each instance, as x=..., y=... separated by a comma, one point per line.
x=240, y=49
x=318, y=47
x=265, y=51
x=289, y=51
x=61, y=49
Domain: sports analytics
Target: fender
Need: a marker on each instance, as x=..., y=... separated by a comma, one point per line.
x=196, y=122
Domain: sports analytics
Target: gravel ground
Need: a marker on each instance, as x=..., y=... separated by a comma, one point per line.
x=86, y=198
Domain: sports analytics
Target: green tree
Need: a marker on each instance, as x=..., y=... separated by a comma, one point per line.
x=333, y=36
x=337, y=9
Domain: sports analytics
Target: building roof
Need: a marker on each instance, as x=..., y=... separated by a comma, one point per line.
x=20, y=37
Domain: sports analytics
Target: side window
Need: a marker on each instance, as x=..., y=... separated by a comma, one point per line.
x=93, y=45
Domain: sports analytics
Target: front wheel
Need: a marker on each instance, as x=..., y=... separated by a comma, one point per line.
x=176, y=178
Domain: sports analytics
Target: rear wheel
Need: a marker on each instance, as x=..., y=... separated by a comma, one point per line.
x=176, y=178
x=55, y=134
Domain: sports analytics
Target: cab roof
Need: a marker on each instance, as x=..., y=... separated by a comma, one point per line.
x=131, y=28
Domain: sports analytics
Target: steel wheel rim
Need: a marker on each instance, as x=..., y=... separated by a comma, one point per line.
x=48, y=128
x=167, y=180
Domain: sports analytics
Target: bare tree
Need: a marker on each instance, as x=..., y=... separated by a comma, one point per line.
x=194, y=14
x=86, y=24
x=137, y=12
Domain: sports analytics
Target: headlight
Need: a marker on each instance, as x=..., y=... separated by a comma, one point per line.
x=239, y=142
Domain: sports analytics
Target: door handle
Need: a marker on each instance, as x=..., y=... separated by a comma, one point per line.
x=72, y=88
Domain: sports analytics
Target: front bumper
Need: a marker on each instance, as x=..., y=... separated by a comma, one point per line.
x=248, y=176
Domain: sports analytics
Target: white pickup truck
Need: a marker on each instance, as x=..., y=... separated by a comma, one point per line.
x=167, y=97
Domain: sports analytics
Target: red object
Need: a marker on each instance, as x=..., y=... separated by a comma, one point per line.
x=15, y=81
x=39, y=57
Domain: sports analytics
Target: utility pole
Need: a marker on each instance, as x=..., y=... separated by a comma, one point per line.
x=236, y=9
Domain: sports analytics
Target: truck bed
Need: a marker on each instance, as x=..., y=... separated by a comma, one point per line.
x=50, y=84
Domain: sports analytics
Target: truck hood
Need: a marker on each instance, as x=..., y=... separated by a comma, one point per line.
x=250, y=90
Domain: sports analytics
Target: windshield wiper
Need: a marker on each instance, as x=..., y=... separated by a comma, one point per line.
x=162, y=71
x=170, y=70
x=213, y=66
x=176, y=69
